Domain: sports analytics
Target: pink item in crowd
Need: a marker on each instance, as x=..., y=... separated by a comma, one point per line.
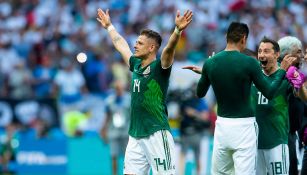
x=295, y=77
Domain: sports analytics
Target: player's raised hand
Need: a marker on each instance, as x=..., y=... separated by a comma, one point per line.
x=183, y=21
x=104, y=18
x=288, y=61
x=195, y=69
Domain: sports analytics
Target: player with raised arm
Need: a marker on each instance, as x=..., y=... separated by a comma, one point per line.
x=150, y=142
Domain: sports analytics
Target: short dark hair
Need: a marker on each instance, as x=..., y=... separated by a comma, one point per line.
x=152, y=34
x=236, y=31
x=276, y=47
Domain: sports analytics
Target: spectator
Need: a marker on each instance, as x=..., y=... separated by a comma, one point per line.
x=195, y=119
x=116, y=126
x=20, y=81
x=70, y=85
x=97, y=75
x=43, y=75
x=73, y=123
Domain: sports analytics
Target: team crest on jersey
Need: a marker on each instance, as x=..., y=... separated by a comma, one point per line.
x=146, y=71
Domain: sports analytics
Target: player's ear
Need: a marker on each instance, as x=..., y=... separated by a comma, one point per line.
x=152, y=47
x=243, y=40
x=277, y=55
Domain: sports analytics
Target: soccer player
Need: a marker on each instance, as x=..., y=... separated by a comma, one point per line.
x=150, y=142
x=231, y=74
x=272, y=115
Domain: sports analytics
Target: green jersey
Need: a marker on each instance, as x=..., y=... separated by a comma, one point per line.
x=272, y=115
x=148, y=98
x=231, y=74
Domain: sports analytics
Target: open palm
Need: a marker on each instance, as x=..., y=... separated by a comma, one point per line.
x=183, y=21
x=103, y=18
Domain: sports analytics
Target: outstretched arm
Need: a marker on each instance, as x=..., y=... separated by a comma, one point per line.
x=195, y=69
x=168, y=52
x=203, y=83
x=119, y=42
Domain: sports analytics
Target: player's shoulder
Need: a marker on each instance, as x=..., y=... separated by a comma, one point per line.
x=134, y=62
x=248, y=59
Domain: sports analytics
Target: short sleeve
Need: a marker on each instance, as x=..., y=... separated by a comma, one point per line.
x=165, y=72
x=132, y=62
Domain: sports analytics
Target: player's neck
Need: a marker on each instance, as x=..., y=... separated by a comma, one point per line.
x=232, y=47
x=148, y=60
x=271, y=71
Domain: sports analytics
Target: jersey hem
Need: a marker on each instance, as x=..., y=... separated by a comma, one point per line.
x=150, y=133
x=271, y=146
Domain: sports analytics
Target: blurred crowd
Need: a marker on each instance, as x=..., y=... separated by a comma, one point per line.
x=39, y=41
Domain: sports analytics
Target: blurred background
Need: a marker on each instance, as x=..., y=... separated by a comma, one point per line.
x=60, y=115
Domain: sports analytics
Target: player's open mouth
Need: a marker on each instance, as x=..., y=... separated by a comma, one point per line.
x=263, y=63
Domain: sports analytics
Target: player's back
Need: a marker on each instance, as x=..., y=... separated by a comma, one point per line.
x=229, y=75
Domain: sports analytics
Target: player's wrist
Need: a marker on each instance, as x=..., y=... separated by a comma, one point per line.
x=110, y=28
x=177, y=31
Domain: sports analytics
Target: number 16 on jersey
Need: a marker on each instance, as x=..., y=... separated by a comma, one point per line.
x=261, y=99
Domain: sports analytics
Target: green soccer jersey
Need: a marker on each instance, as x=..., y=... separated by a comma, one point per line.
x=148, y=98
x=231, y=74
x=272, y=115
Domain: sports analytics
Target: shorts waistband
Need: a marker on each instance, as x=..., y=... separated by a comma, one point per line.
x=246, y=120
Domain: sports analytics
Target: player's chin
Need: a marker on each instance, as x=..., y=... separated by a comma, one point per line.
x=138, y=55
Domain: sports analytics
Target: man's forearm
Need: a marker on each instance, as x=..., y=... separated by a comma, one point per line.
x=117, y=40
x=119, y=43
x=169, y=50
x=172, y=42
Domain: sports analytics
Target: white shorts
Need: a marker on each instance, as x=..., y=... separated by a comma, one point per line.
x=155, y=151
x=235, y=146
x=273, y=161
